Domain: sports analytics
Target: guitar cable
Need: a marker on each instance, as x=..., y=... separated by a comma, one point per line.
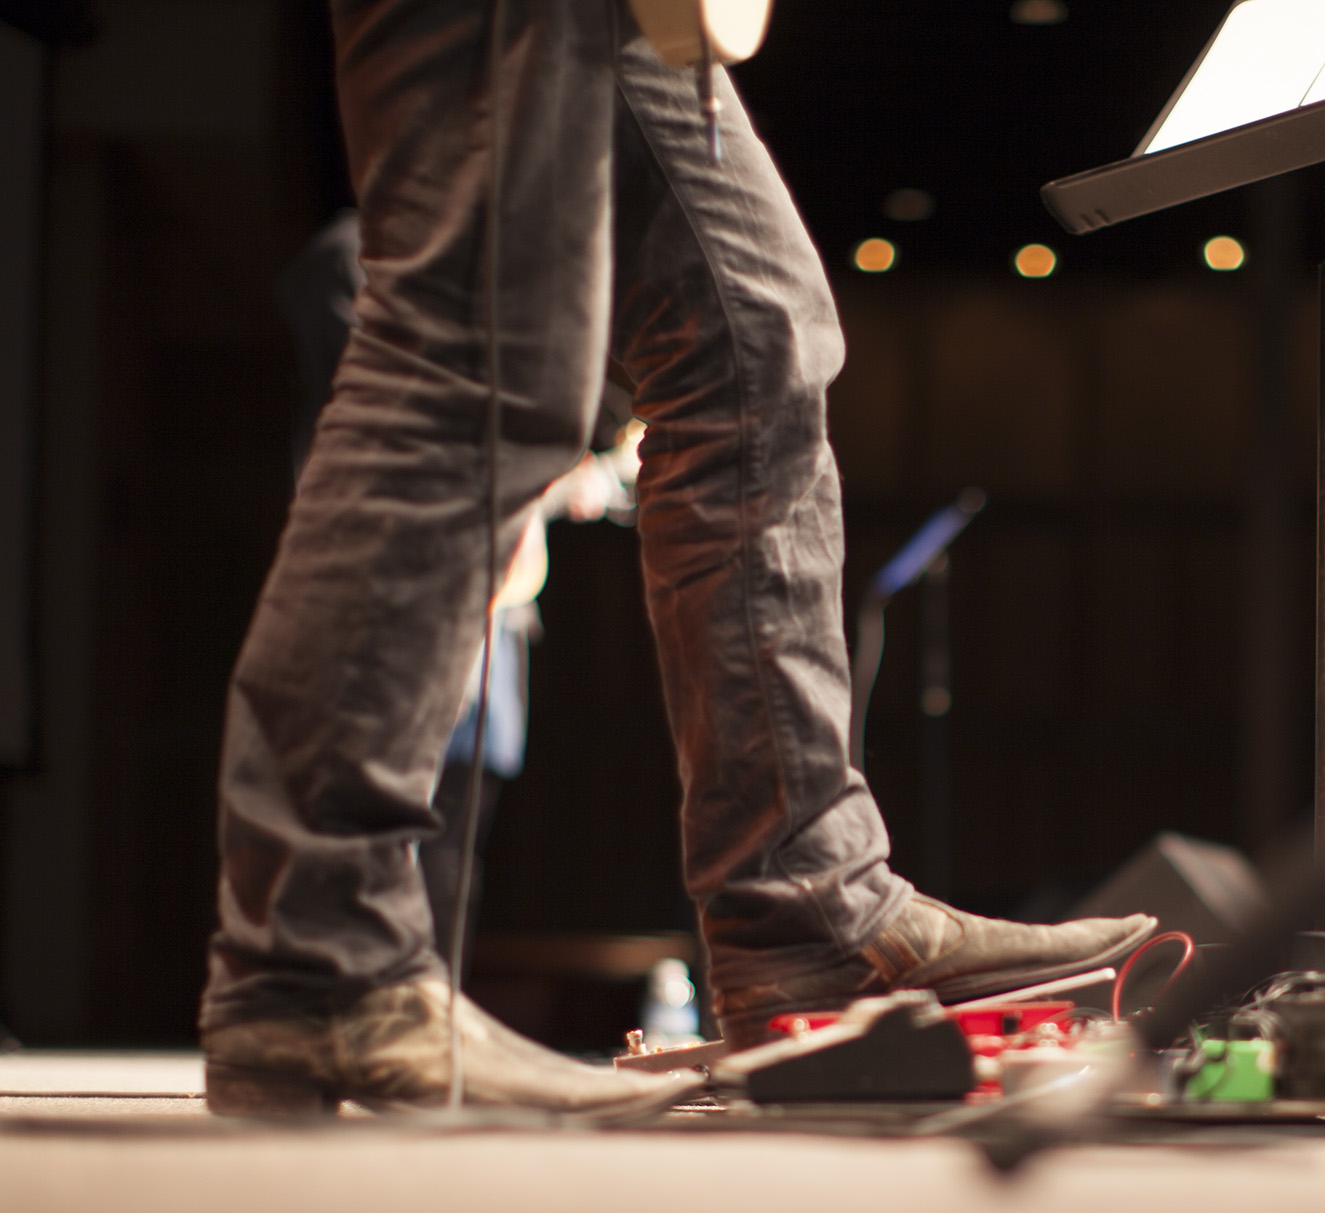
x=492, y=438
x=709, y=105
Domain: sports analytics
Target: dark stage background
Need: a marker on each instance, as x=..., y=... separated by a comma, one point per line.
x=1131, y=615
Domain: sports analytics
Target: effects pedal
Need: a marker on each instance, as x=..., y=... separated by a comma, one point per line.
x=900, y=1047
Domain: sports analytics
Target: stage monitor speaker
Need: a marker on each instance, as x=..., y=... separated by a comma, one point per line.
x=1209, y=890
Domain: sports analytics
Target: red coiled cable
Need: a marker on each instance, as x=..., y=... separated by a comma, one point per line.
x=1189, y=950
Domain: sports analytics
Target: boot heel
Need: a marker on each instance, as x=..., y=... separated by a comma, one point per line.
x=233, y=1091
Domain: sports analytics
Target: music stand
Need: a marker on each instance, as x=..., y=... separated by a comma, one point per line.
x=1252, y=106
x=1215, y=135
x=921, y=558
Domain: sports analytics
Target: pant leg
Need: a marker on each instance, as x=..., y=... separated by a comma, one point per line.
x=725, y=321
x=356, y=657
x=351, y=674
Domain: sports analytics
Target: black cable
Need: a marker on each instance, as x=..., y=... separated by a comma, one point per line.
x=492, y=249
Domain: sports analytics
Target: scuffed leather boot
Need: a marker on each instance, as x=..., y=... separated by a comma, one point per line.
x=932, y=946
x=390, y=1051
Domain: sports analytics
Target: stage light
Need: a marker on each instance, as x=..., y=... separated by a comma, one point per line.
x=1035, y=261
x=908, y=205
x=875, y=256
x=936, y=701
x=1038, y=12
x=1224, y=253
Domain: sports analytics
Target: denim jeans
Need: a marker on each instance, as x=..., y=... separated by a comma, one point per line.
x=616, y=236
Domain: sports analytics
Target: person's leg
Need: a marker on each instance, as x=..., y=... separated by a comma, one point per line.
x=725, y=322
x=350, y=678
x=323, y=980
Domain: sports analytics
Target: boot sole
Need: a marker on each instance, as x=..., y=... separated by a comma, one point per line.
x=239, y=1091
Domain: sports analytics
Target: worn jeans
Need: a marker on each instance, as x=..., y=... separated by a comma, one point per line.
x=617, y=236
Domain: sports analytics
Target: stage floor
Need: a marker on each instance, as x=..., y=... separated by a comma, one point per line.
x=108, y=1132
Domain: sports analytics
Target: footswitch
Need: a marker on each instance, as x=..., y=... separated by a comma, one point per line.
x=900, y=1047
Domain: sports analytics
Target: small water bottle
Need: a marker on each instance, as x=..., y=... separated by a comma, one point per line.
x=670, y=1012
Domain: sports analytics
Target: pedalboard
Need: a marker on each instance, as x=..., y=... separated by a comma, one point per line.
x=1263, y=1058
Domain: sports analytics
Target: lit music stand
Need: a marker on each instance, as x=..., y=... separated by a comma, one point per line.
x=1252, y=106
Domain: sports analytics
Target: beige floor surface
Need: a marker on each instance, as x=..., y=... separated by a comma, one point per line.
x=112, y=1134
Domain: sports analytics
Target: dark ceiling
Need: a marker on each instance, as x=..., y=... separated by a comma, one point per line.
x=860, y=97
x=59, y=22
